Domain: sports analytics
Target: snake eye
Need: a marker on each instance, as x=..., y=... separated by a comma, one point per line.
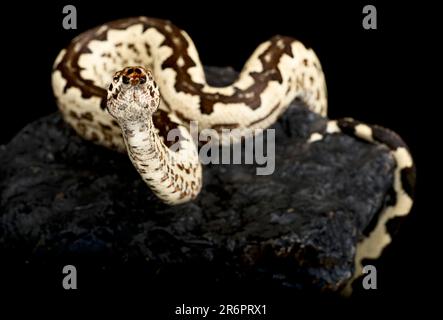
x=130, y=71
x=143, y=79
x=125, y=80
x=116, y=79
x=138, y=71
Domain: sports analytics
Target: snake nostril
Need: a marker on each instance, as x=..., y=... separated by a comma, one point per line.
x=125, y=80
x=130, y=70
x=138, y=71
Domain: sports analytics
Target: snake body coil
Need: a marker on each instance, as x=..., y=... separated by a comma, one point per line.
x=279, y=71
x=125, y=112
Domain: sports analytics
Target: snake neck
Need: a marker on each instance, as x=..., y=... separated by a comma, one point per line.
x=143, y=145
x=174, y=176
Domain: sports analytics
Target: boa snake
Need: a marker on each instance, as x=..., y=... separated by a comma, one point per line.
x=125, y=112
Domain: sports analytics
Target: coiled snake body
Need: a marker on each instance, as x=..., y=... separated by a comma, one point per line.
x=120, y=111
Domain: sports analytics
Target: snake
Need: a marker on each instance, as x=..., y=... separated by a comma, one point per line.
x=109, y=80
x=127, y=83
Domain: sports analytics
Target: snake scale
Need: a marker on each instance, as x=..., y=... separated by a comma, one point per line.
x=127, y=83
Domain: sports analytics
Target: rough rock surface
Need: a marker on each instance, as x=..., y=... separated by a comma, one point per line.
x=62, y=199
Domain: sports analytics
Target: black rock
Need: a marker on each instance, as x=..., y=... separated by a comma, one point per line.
x=65, y=199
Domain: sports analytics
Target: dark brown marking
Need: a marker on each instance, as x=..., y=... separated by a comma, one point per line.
x=105, y=127
x=275, y=108
x=288, y=90
x=74, y=114
x=132, y=47
x=148, y=49
x=164, y=125
x=388, y=137
x=87, y=116
x=94, y=137
x=81, y=128
x=219, y=127
x=347, y=126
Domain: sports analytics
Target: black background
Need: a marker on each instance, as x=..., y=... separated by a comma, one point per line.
x=369, y=77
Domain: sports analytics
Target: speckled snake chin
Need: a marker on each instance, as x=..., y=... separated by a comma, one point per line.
x=119, y=107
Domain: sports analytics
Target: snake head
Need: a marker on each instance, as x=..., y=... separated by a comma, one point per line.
x=133, y=94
